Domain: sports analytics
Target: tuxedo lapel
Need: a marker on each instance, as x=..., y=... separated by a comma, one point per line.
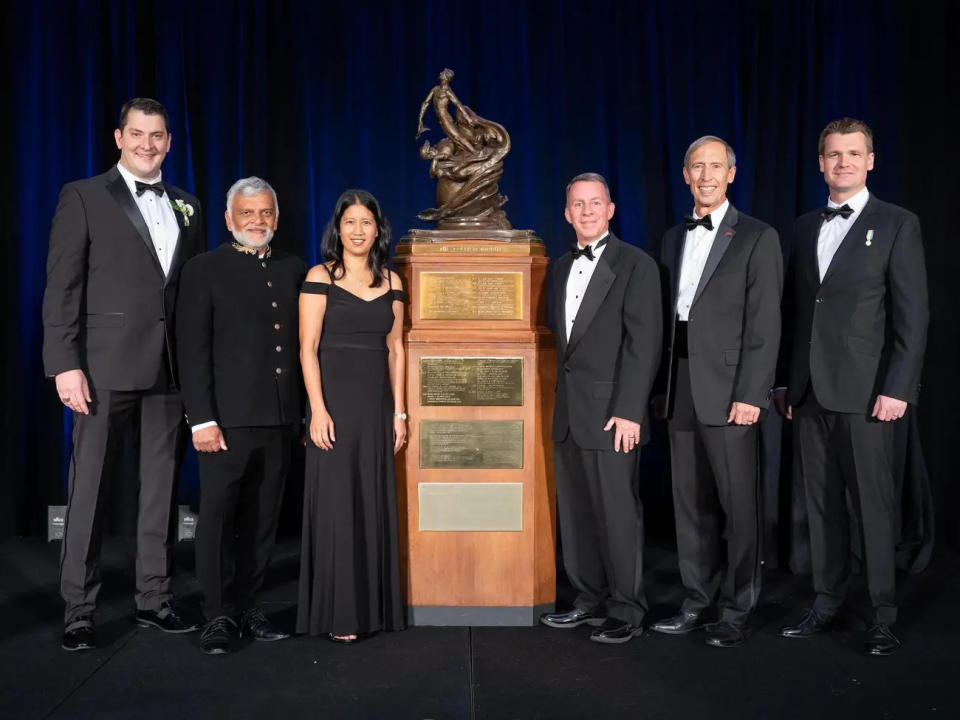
x=121, y=193
x=725, y=232
x=596, y=291
x=854, y=235
x=178, y=252
x=678, y=248
x=561, y=276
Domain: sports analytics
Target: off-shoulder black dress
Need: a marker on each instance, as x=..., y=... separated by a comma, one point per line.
x=349, y=567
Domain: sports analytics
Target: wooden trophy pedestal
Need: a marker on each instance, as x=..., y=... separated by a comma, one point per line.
x=475, y=484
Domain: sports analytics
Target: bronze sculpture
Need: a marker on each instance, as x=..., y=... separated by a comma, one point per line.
x=467, y=164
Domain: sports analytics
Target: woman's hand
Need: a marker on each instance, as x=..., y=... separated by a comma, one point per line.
x=321, y=430
x=399, y=434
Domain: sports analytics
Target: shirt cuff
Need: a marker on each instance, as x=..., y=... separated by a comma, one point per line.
x=201, y=426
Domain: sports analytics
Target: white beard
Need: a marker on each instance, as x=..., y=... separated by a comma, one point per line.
x=241, y=237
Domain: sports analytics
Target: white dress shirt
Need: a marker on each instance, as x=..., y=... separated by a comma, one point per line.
x=833, y=232
x=580, y=273
x=696, y=250
x=158, y=215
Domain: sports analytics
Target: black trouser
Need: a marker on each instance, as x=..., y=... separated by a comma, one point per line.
x=159, y=414
x=601, y=528
x=241, y=490
x=848, y=455
x=715, y=502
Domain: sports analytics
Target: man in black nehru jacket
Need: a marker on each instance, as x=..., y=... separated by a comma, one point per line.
x=239, y=368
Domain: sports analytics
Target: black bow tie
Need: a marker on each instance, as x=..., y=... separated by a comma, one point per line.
x=142, y=187
x=829, y=213
x=587, y=252
x=692, y=222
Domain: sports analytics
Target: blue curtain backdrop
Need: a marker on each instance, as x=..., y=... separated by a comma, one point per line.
x=320, y=96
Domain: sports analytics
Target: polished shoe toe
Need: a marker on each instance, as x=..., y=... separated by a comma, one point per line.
x=79, y=637
x=724, y=635
x=253, y=623
x=573, y=618
x=615, y=632
x=166, y=618
x=881, y=641
x=217, y=636
x=813, y=623
x=679, y=624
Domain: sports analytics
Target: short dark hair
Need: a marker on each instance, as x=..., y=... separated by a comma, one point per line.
x=588, y=177
x=148, y=106
x=332, y=243
x=845, y=126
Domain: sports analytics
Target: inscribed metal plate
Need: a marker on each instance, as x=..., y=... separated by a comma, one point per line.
x=471, y=444
x=471, y=296
x=471, y=381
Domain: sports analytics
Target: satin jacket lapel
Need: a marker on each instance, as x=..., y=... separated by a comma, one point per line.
x=560, y=295
x=597, y=290
x=679, y=246
x=854, y=235
x=178, y=251
x=118, y=188
x=725, y=232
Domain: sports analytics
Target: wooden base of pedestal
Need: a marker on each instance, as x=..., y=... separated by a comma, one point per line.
x=462, y=575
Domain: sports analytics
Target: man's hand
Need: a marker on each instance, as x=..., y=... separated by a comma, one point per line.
x=888, y=408
x=780, y=400
x=627, y=435
x=743, y=414
x=209, y=439
x=73, y=390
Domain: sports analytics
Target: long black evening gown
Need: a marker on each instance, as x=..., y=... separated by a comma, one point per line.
x=349, y=567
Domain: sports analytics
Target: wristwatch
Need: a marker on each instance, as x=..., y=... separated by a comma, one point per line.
x=402, y=416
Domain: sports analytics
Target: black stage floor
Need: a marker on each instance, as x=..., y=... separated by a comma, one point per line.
x=481, y=673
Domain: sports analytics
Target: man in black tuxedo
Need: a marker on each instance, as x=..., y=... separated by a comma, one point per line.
x=608, y=322
x=722, y=277
x=239, y=366
x=117, y=244
x=855, y=330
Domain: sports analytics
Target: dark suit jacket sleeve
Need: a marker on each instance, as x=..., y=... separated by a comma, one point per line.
x=66, y=282
x=909, y=312
x=787, y=313
x=195, y=343
x=642, y=337
x=761, y=328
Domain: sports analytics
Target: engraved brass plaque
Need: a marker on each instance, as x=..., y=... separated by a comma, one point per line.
x=471, y=381
x=482, y=506
x=471, y=444
x=471, y=296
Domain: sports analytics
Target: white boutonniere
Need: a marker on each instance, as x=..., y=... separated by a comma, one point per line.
x=185, y=209
x=869, y=238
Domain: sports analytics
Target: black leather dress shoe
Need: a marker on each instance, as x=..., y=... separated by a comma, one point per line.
x=80, y=637
x=881, y=641
x=724, y=635
x=615, y=632
x=166, y=618
x=679, y=624
x=217, y=636
x=254, y=624
x=573, y=618
x=813, y=623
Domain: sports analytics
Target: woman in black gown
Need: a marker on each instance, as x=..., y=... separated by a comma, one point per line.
x=351, y=310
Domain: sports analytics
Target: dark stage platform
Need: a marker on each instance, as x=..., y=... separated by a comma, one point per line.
x=482, y=673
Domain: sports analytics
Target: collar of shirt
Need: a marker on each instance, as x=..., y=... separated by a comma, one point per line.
x=597, y=251
x=857, y=202
x=131, y=180
x=716, y=217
